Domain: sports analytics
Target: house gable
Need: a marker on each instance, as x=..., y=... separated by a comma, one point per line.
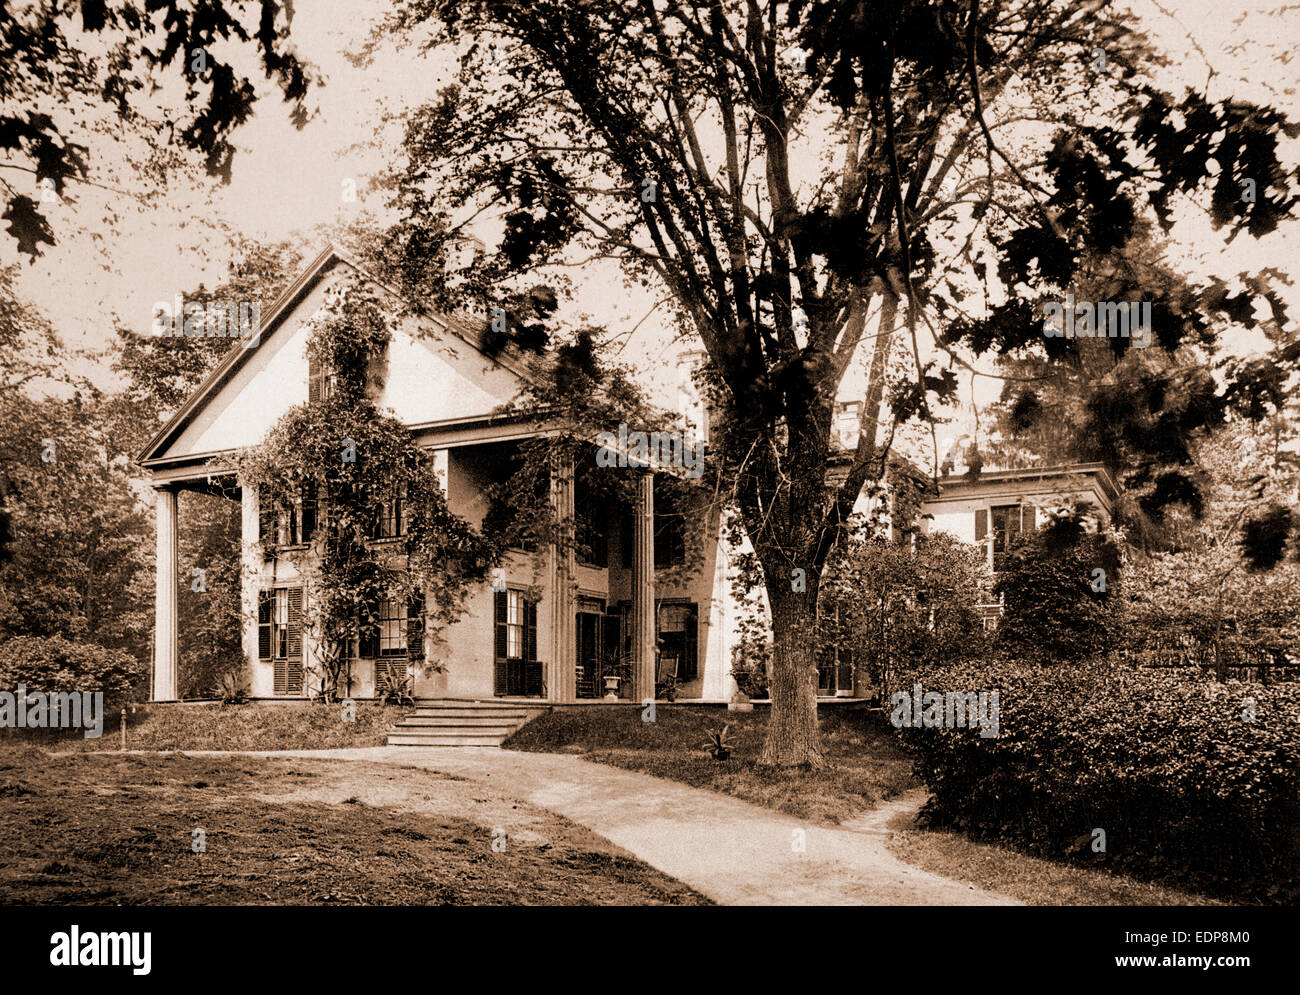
x=434, y=372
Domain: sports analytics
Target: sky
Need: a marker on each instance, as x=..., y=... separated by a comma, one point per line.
x=286, y=180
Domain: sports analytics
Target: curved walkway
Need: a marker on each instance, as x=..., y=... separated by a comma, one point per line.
x=732, y=851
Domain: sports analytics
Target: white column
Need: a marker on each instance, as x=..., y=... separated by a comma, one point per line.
x=261, y=679
x=164, y=642
x=643, y=588
x=561, y=682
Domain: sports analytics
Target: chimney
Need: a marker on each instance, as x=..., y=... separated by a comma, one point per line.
x=846, y=425
x=689, y=403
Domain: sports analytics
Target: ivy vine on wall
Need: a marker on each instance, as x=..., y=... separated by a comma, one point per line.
x=368, y=519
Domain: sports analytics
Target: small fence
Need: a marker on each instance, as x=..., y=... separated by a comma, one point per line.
x=1224, y=663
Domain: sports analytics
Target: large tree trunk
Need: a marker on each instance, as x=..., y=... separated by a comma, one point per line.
x=792, y=736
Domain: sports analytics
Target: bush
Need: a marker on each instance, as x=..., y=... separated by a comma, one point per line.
x=750, y=659
x=52, y=663
x=1183, y=786
x=1060, y=587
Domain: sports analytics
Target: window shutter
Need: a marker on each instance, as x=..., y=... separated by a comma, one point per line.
x=981, y=524
x=500, y=683
x=309, y=507
x=501, y=641
x=368, y=643
x=264, y=603
x=532, y=667
x=293, y=677
x=415, y=628
x=267, y=522
x=314, y=379
x=692, y=639
x=530, y=630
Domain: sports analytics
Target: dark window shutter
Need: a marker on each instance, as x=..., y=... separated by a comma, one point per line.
x=265, y=599
x=415, y=628
x=530, y=630
x=368, y=643
x=692, y=642
x=981, y=524
x=267, y=520
x=294, y=668
x=281, y=676
x=502, y=643
x=532, y=666
x=309, y=509
x=314, y=379
x=500, y=681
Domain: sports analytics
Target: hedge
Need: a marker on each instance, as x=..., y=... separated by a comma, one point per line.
x=52, y=663
x=1183, y=785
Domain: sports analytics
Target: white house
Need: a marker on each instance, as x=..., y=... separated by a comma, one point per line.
x=539, y=638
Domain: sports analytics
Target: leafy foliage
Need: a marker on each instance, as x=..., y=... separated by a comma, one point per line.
x=78, y=563
x=52, y=663
x=893, y=604
x=583, y=125
x=47, y=72
x=1061, y=591
x=1180, y=781
x=354, y=458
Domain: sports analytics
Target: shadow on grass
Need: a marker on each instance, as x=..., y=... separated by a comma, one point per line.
x=865, y=766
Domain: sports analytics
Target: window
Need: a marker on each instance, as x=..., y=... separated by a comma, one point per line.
x=392, y=519
x=397, y=630
x=279, y=636
x=392, y=627
x=518, y=671
x=286, y=521
x=320, y=381
x=591, y=528
x=1006, y=522
x=678, y=626
x=670, y=540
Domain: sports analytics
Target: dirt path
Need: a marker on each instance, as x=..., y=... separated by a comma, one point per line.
x=734, y=852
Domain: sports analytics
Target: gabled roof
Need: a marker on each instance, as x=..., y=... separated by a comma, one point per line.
x=460, y=326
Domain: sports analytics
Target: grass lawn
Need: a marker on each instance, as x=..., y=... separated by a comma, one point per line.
x=866, y=766
x=102, y=829
x=1032, y=880
x=305, y=726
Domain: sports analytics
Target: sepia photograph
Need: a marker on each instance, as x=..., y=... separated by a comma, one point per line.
x=626, y=453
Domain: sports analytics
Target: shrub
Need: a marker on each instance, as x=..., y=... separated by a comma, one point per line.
x=750, y=659
x=231, y=689
x=1060, y=587
x=52, y=663
x=1182, y=784
x=887, y=602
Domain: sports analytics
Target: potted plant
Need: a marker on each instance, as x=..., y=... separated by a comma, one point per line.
x=615, y=671
x=719, y=745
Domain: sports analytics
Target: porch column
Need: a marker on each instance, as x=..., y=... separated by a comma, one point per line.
x=643, y=587
x=164, y=625
x=562, y=681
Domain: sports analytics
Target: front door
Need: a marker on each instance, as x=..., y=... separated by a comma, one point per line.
x=589, y=640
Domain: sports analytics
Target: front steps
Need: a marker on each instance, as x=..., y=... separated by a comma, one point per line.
x=453, y=722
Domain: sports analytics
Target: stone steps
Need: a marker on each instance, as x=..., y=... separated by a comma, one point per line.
x=462, y=723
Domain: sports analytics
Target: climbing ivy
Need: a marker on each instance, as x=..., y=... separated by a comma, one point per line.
x=340, y=451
